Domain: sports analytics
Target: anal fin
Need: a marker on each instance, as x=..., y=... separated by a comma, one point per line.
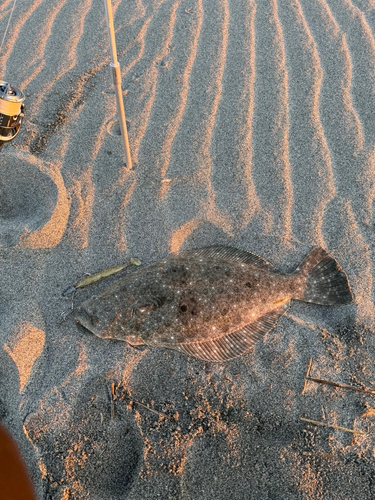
x=234, y=344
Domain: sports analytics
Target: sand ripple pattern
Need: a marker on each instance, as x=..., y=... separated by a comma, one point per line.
x=251, y=123
x=235, y=128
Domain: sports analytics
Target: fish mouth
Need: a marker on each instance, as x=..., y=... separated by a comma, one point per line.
x=91, y=322
x=84, y=319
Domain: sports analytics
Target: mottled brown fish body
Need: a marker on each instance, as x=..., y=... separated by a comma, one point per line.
x=214, y=303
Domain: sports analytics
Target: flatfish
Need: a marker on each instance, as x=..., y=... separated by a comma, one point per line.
x=213, y=303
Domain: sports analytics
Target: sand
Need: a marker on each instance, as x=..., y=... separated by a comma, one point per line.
x=251, y=124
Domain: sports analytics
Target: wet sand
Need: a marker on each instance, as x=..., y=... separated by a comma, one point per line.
x=251, y=124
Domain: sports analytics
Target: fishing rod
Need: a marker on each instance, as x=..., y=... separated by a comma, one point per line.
x=12, y=107
x=12, y=112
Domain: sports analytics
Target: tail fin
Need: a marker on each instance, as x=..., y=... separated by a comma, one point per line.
x=327, y=284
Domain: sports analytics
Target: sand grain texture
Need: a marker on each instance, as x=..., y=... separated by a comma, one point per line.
x=251, y=124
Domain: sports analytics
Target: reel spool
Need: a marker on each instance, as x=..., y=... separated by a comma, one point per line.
x=12, y=112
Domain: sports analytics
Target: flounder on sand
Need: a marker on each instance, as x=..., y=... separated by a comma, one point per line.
x=214, y=303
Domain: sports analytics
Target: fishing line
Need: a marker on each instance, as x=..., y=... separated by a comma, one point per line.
x=6, y=29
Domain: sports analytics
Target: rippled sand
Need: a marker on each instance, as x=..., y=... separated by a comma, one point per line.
x=251, y=124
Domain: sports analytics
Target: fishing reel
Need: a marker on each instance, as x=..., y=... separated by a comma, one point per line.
x=12, y=112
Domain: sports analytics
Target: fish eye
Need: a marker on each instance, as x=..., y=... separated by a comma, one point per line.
x=183, y=308
x=174, y=270
x=248, y=285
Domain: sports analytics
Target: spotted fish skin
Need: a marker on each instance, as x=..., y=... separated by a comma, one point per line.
x=214, y=303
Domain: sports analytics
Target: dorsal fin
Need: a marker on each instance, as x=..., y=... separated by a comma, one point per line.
x=236, y=343
x=229, y=254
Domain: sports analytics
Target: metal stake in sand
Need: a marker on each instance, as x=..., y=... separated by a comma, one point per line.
x=116, y=77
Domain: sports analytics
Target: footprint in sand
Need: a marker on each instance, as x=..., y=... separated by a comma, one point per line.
x=29, y=198
x=113, y=128
x=84, y=444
